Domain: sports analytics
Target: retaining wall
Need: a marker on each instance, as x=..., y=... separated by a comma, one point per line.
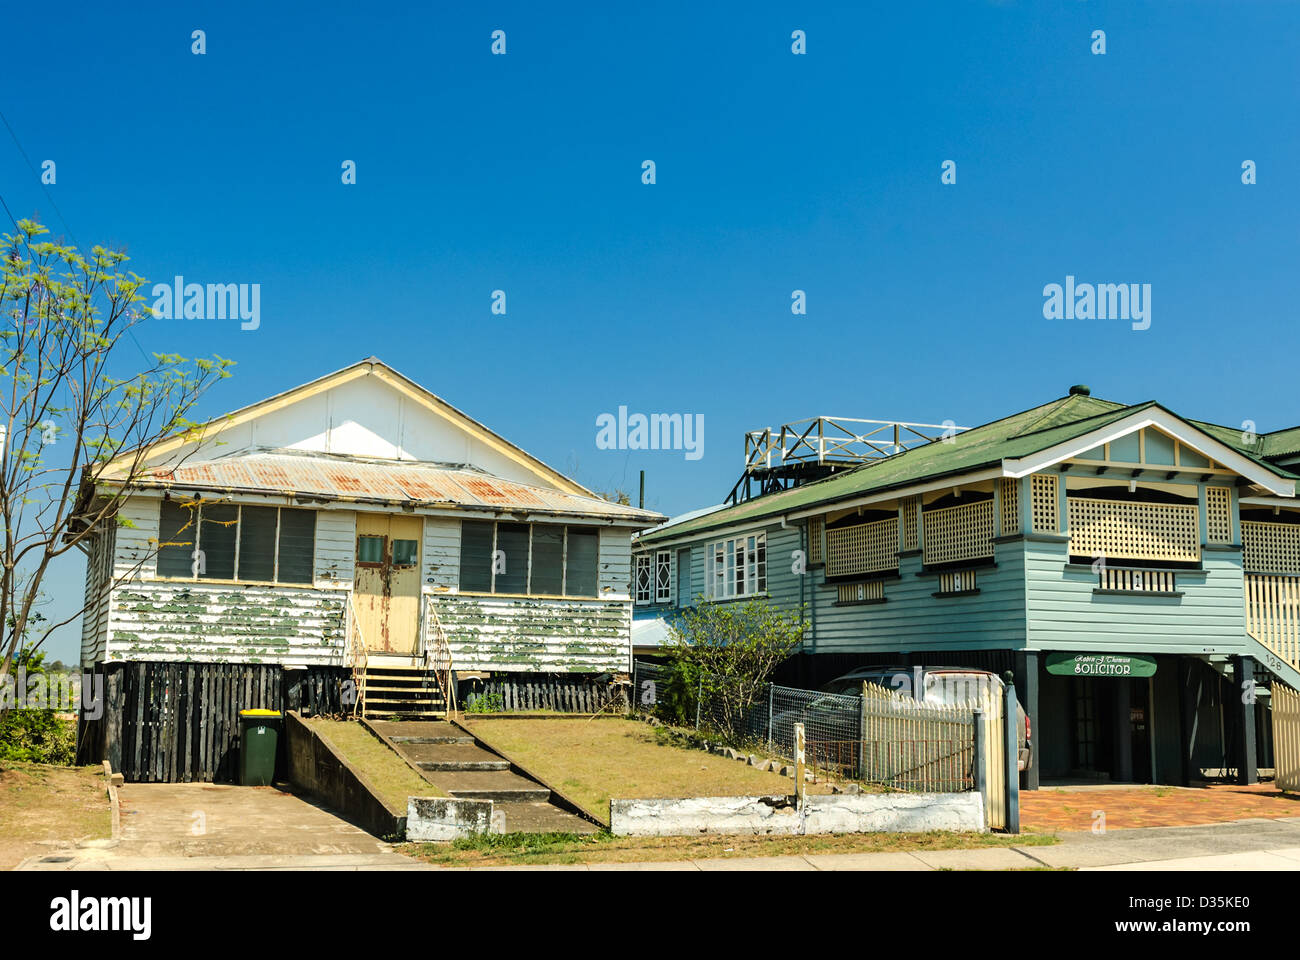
x=779, y=815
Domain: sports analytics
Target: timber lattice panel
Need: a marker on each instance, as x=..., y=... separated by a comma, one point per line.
x=816, y=527
x=1134, y=531
x=1270, y=547
x=1218, y=514
x=862, y=548
x=1043, y=502
x=963, y=532
x=1010, y=491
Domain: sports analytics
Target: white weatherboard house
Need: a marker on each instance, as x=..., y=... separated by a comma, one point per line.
x=356, y=527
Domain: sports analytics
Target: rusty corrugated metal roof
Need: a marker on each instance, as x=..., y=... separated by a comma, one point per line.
x=347, y=479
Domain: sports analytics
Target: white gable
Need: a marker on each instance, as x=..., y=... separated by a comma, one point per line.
x=363, y=412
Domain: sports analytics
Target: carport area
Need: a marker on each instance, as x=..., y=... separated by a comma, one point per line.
x=1121, y=807
x=176, y=826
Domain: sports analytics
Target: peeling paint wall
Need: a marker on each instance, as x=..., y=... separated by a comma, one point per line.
x=94, y=618
x=535, y=635
x=226, y=623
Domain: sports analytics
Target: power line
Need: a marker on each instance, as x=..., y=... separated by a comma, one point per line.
x=30, y=166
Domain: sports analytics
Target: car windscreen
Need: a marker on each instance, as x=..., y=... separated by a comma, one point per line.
x=953, y=687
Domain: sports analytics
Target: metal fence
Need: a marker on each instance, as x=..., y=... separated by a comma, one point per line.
x=885, y=737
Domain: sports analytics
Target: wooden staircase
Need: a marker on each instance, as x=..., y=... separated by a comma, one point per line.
x=408, y=693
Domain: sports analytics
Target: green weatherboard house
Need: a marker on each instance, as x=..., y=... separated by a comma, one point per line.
x=1138, y=572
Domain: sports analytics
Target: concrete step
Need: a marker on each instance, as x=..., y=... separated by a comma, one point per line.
x=497, y=785
x=534, y=817
x=438, y=740
x=452, y=756
x=453, y=765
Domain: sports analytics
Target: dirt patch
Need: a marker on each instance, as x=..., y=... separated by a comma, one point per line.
x=42, y=806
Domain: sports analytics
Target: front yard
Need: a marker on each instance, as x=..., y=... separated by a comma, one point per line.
x=41, y=803
x=592, y=760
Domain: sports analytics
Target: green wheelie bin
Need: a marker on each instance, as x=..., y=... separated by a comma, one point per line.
x=259, y=732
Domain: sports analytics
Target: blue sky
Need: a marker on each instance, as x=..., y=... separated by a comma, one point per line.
x=775, y=172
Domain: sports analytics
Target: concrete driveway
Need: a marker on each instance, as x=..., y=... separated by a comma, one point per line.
x=177, y=826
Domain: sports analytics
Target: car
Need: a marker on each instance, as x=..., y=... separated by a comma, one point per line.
x=948, y=685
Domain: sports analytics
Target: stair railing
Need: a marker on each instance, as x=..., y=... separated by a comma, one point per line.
x=437, y=657
x=356, y=657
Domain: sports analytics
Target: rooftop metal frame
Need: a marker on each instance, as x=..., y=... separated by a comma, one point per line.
x=810, y=449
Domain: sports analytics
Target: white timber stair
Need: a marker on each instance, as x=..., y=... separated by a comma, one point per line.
x=400, y=691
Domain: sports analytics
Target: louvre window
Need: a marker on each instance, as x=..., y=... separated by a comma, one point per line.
x=528, y=559
x=580, y=562
x=547, y=560
x=476, y=538
x=511, y=558
x=227, y=541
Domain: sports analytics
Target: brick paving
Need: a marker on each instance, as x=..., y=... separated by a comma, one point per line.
x=1063, y=808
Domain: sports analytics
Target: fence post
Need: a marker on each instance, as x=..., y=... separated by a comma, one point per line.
x=1011, y=752
x=699, y=700
x=862, y=734
x=799, y=760
x=978, y=734
x=771, y=693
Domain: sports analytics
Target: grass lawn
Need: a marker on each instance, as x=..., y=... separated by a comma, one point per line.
x=522, y=849
x=40, y=802
x=591, y=761
x=385, y=770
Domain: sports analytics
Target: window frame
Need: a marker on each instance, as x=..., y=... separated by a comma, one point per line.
x=642, y=595
x=663, y=576
x=566, y=529
x=238, y=543
x=737, y=565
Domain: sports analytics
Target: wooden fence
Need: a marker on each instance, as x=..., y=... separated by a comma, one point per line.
x=561, y=694
x=931, y=746
x=1286, y=736
x=179, y=722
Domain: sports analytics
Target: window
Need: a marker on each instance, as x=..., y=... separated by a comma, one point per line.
x=663, y=577
x=737, y=567
x=370, y=550
x=406, y=553
x=641, y=585
x=528, y=558
x=230, y=541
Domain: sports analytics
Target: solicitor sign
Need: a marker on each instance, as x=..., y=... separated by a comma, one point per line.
x=1101, y=665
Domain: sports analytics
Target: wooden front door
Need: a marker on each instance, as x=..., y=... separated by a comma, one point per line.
x=387, y=582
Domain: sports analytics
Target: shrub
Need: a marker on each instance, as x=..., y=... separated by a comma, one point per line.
x=720, y=656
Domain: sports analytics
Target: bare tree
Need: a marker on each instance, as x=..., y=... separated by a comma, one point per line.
x=77, y=416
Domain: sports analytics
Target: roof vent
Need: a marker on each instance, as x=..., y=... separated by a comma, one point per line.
x=1080, y=390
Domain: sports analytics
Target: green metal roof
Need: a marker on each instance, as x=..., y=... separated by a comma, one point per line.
x=1019, y=435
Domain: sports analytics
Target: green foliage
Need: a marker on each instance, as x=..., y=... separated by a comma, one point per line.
x=37, y=736
x=73, y=408
x=720, y=655
x=527, y=843
x=484, y=703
